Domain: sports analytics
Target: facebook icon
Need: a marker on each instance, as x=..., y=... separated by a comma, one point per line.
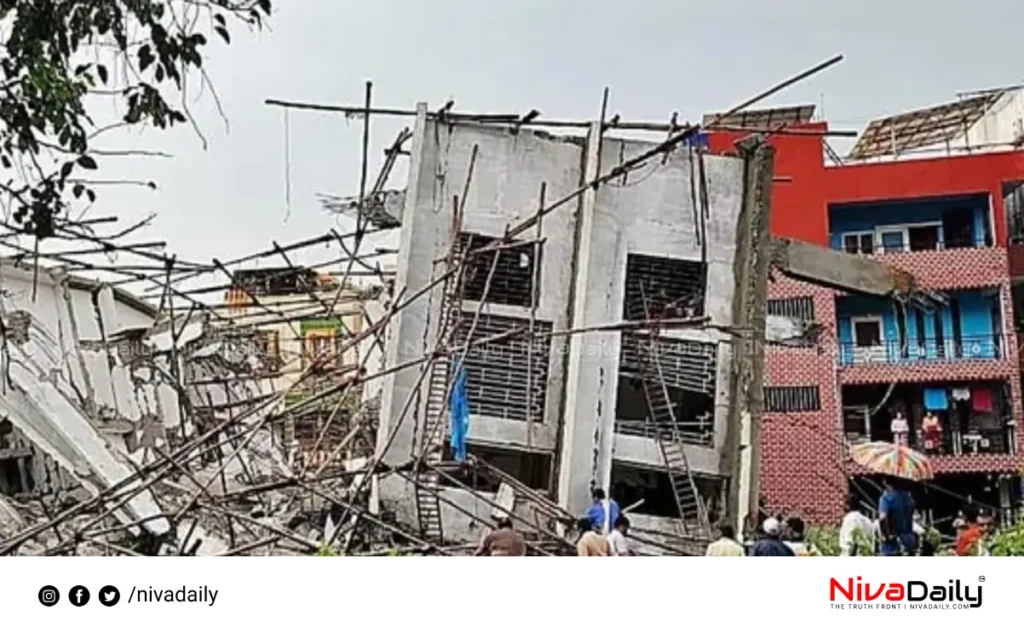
x=79, y=596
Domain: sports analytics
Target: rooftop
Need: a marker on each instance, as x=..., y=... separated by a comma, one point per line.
x=922, y=128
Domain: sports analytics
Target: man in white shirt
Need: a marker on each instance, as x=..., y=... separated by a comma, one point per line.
x=617, y=537
x=855, y=523
x=726, y=545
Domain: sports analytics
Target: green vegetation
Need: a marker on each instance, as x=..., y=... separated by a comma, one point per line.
x=1007, y=541
x=326, y=550
x=59, y=53
x=826, y=539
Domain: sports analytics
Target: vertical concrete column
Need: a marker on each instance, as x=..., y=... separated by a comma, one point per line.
x=591, y=367
x=742, y=455
x=414, y=270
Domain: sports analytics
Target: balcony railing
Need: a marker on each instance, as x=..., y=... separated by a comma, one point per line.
x=996, y=441
x=699, y=433
x=942, y=245
x=975, y=348
x=877, y=246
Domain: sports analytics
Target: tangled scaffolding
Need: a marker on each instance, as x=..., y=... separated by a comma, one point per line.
x=183, y=430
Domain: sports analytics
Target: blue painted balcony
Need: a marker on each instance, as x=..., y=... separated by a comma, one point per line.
x=901, y=226
x=878, y=331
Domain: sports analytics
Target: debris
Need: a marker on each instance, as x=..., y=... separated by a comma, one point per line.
x=304, y=409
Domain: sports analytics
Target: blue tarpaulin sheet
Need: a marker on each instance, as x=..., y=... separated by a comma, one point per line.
x=459, y=413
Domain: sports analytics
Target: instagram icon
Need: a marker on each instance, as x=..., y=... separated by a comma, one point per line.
x=49, y=596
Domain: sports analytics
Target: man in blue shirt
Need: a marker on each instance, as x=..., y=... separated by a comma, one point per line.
x=896, y=521
x=603, y=513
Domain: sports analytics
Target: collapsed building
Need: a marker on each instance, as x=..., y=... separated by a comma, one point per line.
x=567, y=414
x=95, y=390
x=604, y=299
x=613, y=343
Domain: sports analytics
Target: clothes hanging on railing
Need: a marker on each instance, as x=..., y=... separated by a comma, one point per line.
x=935, y=399
x=982, y=400
x=961, y=394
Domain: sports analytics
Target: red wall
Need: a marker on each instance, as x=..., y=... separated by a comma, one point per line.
x=803, y=470
x=804, y=186
x=798, y=196
x=978, y=173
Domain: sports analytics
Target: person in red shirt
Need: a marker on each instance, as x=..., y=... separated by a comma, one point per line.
x=969, y=539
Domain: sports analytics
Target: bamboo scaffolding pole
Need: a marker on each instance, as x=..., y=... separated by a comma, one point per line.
x=468, y=117
x=241, y=427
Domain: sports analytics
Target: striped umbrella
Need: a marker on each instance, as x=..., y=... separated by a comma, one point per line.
x=891, y=459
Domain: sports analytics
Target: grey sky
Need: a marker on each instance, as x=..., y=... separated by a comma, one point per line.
x=499, y=56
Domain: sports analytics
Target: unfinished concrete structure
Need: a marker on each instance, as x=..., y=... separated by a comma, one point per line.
x=596, y=292
x=570, y=413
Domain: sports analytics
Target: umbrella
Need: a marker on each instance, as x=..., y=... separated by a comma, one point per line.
x=891, y=459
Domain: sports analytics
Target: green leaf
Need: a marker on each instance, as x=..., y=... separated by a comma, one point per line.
x=46, y=71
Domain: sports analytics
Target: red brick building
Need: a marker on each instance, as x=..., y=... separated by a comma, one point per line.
x=943, y=219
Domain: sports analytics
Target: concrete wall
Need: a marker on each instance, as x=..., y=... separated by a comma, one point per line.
x=582, y=279
x=72, y=391
x=505, y=188
x=651, y=213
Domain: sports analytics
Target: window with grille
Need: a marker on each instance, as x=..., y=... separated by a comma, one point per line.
x=663, y=287
x=800, y=308
x=505, y=378
x=792, y=399
x=511, y=284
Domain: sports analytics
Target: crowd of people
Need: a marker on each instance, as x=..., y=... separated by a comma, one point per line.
x=601, y=532
x=776, y=537
x=898, y=531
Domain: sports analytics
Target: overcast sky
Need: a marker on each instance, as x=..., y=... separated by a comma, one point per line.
x=499, y=56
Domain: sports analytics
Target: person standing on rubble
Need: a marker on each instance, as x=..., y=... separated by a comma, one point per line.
x=603, y=513
x=503, y=541
x=592, y=542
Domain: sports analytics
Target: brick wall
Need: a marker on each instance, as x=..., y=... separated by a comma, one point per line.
x=803, y=468
x=801, y=465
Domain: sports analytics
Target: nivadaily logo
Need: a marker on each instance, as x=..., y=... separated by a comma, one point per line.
x=912, y=594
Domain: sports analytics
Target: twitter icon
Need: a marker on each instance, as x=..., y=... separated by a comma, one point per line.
x=109, y=596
